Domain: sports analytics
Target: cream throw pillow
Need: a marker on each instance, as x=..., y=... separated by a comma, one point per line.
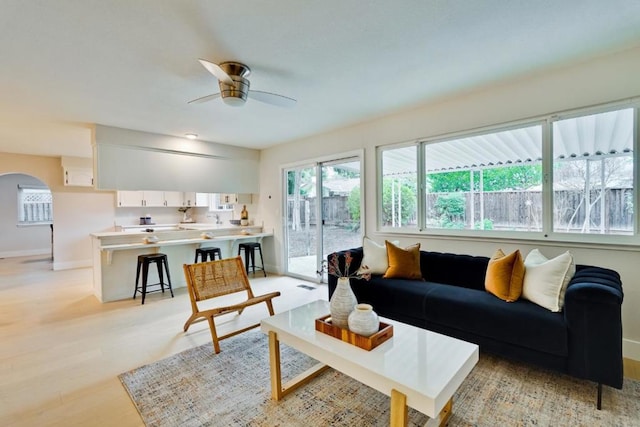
x=374, y=257
x=546, y=280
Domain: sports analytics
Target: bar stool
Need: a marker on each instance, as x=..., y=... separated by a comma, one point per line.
x=143, y=264
x=249, y=253
x=208, y=252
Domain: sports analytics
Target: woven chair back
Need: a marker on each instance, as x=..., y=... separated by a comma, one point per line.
x=216, y=278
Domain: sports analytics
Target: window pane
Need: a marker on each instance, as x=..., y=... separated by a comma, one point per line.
x=485, y=182
x=399, y=187
x=35, y=205
x=593, y=174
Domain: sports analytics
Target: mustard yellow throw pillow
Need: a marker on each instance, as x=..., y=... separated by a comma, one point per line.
x=505, y=275
x=403, y=263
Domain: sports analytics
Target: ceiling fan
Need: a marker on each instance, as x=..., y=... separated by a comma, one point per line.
x=234, y=86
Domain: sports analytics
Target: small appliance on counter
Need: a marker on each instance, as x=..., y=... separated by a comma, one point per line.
x=145, y=220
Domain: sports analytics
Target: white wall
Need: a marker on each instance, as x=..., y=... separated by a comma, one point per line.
x=605, y=79
x=77, y=212
x=25, y=240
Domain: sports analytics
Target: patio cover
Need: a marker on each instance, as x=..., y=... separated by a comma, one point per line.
x=594, y=136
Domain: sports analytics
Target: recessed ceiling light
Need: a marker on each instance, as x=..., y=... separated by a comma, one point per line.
x=191, y=135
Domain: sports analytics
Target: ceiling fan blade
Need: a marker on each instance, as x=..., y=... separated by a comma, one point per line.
x=217, y=71
x=204, y=99
x=272, y=98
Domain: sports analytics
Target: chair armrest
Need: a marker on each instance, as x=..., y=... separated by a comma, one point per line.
x=593, y=313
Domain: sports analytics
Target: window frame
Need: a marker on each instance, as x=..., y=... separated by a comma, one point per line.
x=20, y=206
x=547, y=234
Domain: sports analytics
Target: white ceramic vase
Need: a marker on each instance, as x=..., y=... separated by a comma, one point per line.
x=342, y=302
x=363, y=320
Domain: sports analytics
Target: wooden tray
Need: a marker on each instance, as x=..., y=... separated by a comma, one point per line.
x=324, y=325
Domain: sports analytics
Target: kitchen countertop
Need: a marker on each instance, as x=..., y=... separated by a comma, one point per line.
x=202, y=226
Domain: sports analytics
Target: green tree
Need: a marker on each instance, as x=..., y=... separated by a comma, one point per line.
x=405, y=201
x=353, y=204
x=495, y=179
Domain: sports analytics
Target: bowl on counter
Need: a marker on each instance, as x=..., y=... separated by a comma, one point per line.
x=150, y=239
x=234, y=221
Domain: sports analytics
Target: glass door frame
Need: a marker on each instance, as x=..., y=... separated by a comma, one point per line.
x=318, y=164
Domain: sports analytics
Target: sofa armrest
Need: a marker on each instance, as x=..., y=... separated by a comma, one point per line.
x=356, y=259
x=593, y=313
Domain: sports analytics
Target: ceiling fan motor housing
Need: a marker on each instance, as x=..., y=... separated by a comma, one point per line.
x=235, y=95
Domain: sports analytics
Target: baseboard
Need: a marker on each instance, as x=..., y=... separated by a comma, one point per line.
x=70, y=265
x=631, y=349
x=29, y=252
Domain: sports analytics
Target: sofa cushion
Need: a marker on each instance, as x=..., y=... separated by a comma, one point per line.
x=399, y=299
x=403, y=263
x=519, y=323
x=504, y=275
x=546, y=280
x=375, y=259
x=452, y=269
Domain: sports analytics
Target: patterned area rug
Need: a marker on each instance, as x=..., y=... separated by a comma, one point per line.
x=199, y=388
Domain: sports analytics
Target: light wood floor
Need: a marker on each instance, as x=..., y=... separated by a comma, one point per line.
x=61, y=350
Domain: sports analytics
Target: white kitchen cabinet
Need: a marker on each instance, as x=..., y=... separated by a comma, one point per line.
x=203, y=199
x=242, y=198
x=78, y=177
x=173, y=199
x=78, y=172
x=147, y=199
x=196, y=199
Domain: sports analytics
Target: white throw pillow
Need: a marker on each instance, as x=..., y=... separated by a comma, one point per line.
x=375, y=257
x=546, y=280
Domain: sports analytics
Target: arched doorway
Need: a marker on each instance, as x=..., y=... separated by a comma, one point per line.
x=26, y=218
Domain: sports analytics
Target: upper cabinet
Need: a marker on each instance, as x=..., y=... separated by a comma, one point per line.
x=149, y=199
x=231, y=199
x=194, y=199
x=77, y=171
x=174, y=199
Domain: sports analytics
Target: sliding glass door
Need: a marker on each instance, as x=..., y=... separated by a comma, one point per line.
x=323, y=214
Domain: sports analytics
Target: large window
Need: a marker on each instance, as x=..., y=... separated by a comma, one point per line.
x=34, y=205
x=557, y=177
x=399, y=206
x=593, y=173
x=485, y=182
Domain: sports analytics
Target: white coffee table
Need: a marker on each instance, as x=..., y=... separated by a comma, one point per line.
x=416, y=367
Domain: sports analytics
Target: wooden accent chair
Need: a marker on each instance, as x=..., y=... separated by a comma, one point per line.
x=207, y=280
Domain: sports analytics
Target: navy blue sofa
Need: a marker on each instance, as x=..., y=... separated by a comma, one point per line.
x=584, y=340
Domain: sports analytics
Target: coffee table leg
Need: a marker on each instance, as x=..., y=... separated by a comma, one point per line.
x=399, y=417
x=398, y=409
x=274, y=362
x=278, y=391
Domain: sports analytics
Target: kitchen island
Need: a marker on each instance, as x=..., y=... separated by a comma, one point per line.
x=115, y=253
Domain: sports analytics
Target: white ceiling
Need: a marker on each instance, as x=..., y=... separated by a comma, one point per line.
x=133, y=64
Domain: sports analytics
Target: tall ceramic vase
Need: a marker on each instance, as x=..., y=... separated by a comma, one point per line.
x=342, y=302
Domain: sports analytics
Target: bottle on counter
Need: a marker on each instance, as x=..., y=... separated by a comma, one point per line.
x=244, y=216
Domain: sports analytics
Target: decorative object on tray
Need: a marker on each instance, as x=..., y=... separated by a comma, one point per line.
x=363, y=320
x=343, y=299
x=325, y=325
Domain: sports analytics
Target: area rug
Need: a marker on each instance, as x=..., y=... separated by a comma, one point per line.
x=199, y=388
